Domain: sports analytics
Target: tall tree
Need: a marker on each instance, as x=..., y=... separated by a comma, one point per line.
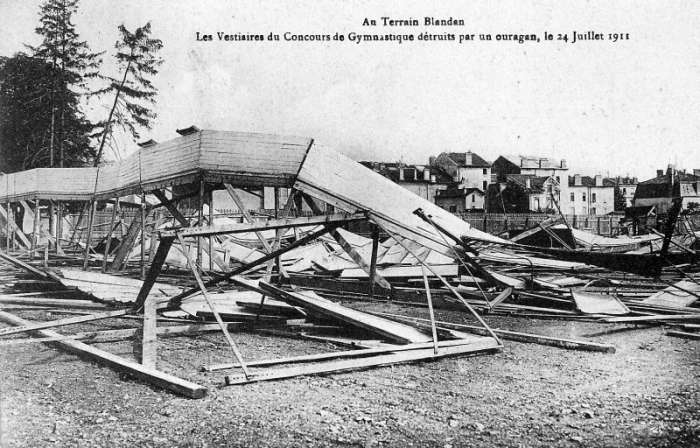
x=26, y=85
x=73, y=64
x=134, y=94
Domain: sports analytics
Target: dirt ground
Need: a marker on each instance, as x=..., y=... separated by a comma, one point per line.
x=645, y=394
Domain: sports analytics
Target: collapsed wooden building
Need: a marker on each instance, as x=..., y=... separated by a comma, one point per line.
x=278, y=273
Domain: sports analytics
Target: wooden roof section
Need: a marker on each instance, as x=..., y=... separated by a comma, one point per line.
x=241, y=159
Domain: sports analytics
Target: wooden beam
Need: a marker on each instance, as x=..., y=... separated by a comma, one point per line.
x=19, y=263
x=569, y=344
x=486, y=344
x=156, y=377
x=153, y=272
x=267, y=225
x=88, y=241
x=223, y=327
x=128, y=241
x=63, y=322
x=13, y=227
x=35, y=228
x=175, y=301
x=683, y=334
x=115, y=207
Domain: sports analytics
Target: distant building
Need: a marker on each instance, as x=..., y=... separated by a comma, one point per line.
x=537, y=167
x=467, y=169
x=423, y=180
x=660, y=190
x=590, y=195
x=627, y=187
x=522, y=193
x=460, y=200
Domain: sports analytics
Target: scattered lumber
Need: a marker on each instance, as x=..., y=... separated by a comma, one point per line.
x=683, y=334
x=155, y=377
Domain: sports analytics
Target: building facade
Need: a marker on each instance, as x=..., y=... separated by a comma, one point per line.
x=590, y=195
x=423, y=180
x=467, y=169
x=661, y=190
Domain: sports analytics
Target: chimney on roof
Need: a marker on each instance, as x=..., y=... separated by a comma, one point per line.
x=659, y=173
x=634, y=180
x=187, y=131
x=563, y=163
x=577, y=180
x=696, y=172
x=147, y=143
x=426, y=174
x=598, y=180
x=468, y=158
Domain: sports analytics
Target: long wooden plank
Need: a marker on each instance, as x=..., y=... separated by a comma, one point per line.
x=14, y=229
x=683, y=334
x=266, y=225
x=487, y=344
x=391, y=330
x=63, y=322
x=156, y=377
x=570, y=344
x=56, y=303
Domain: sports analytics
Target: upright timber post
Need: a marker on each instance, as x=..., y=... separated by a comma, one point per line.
x=9, y=228
x=35, y=230
x=88, y=241
x=373, y=261
x=115, y=207
x=143, y=235
x=278, y=263
x=200, y=218
x=211, y=223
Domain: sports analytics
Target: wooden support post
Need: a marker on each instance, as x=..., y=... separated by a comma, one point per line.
x=88, y=241
x=149, y=341
x=373, y=261
x=223, y=327
x=200, y=223
x=59, y=227
x=127, y=243
x=8, y=231
x=143, y=236
x=35, y=229
x=211, y=223
x=156, y=377
x=115, y=207
x=153, y=272
x=430, y=308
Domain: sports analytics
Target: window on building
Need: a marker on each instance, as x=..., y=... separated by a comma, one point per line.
x=537, y=204
x=486, y=184
x=486, y=172
x=473, y=198
x=558, y=181
x=593, y=211
x=624, y=191
x=453, y=209
x=572, y=197
x=593, y=198
x=583, y=196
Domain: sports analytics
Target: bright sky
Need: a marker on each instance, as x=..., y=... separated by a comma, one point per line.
x=628, y=107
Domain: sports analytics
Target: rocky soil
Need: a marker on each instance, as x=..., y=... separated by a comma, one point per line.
x=645, y=394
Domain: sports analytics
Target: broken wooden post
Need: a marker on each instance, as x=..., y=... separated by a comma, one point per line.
x=142, y=263
x=128, y=241
x=200, y=223
x=149, y=340
x=8, y=231
x=88, y=242
x=211, y=223
x=430, y=308
x=154, y=271
x=109, y=235
x=35, y=230
x=373, y=260
x=59, y=227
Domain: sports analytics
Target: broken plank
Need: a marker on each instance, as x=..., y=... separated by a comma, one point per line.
x=309, y=301
x=62, y=322
x=486, y=344
x=156, y=377
x=56, y=303
x=683, y=334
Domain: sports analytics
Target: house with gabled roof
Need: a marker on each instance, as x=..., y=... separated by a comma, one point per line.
x=466, y=168
x=660, y=190
x=522, y=193
x=423, y=180
x=535, y=166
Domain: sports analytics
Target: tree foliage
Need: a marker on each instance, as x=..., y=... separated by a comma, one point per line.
x=134, y=94
x=26, y=86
